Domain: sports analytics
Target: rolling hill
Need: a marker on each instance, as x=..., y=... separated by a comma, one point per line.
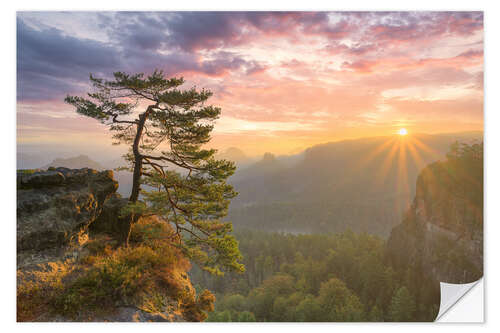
x=77, y=162
x=364, y=185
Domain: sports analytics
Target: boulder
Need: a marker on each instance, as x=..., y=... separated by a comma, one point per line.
x=57, y=206
x=40, y=179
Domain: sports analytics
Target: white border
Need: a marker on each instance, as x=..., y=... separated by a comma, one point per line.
x=492, y=142
x=469, y=307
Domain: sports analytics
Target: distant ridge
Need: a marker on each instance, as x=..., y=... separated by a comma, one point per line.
x=77, y=162
x=363, y=184
x=233, y=154
x=460, y=136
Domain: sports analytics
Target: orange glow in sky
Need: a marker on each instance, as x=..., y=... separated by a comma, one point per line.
x=284, y=81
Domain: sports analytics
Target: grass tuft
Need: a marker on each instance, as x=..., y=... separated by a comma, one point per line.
x=146, y=274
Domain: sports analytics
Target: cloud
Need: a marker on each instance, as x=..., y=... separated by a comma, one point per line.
x=465, y=23
x=361, y=66
x=463, y=60
x=231, y=125
x=194, y=31
x=406, y=27
x=357, y=49
x=446, y=110
x=303, y=74
x=48, y=61
x=51, y=64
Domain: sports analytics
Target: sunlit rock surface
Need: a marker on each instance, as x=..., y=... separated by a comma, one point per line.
x=68, y=223
x=442, y=232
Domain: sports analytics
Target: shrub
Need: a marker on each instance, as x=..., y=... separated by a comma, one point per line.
x=36, y=288
x=144, y=275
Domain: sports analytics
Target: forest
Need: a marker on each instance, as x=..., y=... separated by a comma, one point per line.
x=357, y=276
x=316, y=278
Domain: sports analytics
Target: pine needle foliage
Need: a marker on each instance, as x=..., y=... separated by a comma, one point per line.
x=166, y=128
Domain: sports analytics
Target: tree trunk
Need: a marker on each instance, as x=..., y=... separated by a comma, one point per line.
x=134, y=195
x=136, y=185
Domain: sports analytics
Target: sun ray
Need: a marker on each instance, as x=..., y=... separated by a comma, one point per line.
x=402, y=187
x=419, y=161
x=425, y=148
x=386, y=164
x=372, y=155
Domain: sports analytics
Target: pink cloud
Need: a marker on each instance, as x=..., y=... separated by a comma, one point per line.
x=463, y=60
x=328, y=71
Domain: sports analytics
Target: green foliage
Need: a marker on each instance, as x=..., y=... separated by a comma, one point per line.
x=459, y=177
x=309, y=310
x=223, y=316
x=314, y=278
x=375, y=314
x=196, y=203
x=246, y=316
x=26, y=171
x=166, y=152
x=149, y=274
x=465, y=168
x=234, y=302
x=36, y=289
x=402, y=306
x=119, y=277
x=323, y=215
x=338, y=303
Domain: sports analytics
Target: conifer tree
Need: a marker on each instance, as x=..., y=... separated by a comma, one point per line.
x=402, y=306
x=166, y=128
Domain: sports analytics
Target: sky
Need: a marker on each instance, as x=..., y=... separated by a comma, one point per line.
x=285, y=80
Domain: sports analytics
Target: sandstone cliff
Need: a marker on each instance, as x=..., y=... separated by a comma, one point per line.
x=442, y=233
x=72, y=266
x=58, y=205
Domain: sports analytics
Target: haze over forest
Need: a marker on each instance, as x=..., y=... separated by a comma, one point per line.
x=363, y=184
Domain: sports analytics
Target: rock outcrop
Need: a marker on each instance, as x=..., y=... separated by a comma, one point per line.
x=72, y=264
x=57, y=206
x=442, y=233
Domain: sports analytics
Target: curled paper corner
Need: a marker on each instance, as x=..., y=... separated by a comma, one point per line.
x=451, y=294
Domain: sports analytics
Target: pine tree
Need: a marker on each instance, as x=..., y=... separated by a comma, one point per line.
x=376, y=314
x=246, y=317
x=166, y=128
x=402, y=306
x=339, y=303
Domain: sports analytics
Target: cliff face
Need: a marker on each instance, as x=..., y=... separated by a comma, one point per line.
x=72, y=266
x=57, y=206
x=442, y=233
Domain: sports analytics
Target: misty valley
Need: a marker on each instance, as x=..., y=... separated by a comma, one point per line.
x=319, y=231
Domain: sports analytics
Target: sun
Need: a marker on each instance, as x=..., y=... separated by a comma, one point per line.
x=402, y=131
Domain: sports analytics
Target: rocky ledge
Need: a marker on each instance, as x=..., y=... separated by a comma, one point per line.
x=72, y=263
x=56, y=206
